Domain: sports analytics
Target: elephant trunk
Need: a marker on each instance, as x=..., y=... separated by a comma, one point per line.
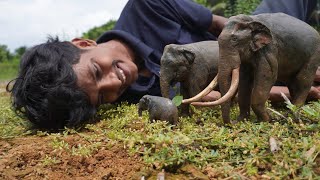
x=165, y=85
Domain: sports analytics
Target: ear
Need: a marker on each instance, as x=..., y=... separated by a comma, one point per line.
x=83, y=43
x=188, y=55
x=261, y=35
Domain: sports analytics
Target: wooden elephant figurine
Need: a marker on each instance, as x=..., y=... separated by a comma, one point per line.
x=159, y=108
x=255, y=52
x=194, y=65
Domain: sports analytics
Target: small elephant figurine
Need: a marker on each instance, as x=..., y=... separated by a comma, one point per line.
x=159, y=108
x=255, y=52
x=194, y=65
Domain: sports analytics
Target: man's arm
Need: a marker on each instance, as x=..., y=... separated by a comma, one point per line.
x=300, y=9
x=275, y=93
x=217, y=24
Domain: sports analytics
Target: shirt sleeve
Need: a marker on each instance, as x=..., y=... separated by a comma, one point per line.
x=300, y=9
x=183, y=12
x=192, y=15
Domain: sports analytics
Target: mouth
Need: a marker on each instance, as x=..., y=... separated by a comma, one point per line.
x=122, y=75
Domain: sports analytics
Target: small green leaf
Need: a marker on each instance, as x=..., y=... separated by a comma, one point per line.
x=177, y=100
x=309, y=110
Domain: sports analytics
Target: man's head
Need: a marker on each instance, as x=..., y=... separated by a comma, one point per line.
x=61, y=83
x=105, y=70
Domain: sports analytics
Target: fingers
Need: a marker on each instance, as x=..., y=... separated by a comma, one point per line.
x=212, y=96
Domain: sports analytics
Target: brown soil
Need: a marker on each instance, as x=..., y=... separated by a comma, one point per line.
x=24, y=158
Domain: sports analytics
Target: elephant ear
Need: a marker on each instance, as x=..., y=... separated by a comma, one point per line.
x=261, y=36
x=188, y=55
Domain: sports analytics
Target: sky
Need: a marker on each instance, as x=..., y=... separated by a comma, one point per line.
x=30, y=22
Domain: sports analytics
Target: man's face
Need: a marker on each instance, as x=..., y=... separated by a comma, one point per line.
x=105, y=70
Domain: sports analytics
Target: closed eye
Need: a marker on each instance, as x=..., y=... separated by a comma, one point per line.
x=97, y=71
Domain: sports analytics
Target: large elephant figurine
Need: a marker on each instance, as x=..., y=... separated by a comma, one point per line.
x=159, y=108
x=193, y=65
x=255, y=52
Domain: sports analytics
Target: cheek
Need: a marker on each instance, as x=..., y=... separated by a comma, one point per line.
x=134, y=70
x=111, y=98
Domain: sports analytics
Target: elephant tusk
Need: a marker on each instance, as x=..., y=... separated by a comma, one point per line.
x=232, y=90
x=204, y=92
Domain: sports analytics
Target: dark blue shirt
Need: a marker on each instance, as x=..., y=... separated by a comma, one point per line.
x=148, y=26
x=300, y=9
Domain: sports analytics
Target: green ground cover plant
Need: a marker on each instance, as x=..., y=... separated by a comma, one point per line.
x=11, y=125
x=220, y=151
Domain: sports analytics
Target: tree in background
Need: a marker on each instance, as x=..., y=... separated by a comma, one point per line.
x=229, y=8
x=4, y=53
x=95, y=32
x=20, y=51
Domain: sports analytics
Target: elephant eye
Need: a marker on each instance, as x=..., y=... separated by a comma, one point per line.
x=233, y=38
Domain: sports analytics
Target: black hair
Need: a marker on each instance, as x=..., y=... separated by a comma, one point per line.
x=46, y=90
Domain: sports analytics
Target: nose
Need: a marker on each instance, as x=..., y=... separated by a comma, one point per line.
x=110, y=81
x=109, y=86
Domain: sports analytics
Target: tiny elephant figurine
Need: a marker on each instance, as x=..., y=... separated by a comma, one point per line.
x=255, y=52
x=194, y=65
x=159, y=108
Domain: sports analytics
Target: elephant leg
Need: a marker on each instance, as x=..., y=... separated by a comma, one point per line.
x=264, y=78
x=259, y=98
x=224, y=85
x=172, y=120
x=300, y=85
x=245, y=90
x=139, y=112
x=184, y=107
x=151, y=116
x=155, y=114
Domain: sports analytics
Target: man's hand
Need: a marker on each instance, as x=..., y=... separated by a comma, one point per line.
x=212, y=96
x=217, y=24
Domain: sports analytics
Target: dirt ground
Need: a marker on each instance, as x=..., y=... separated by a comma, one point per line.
x=34, y=157
x=24, y=158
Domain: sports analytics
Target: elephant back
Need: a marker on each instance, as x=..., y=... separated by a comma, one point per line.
x=290, y=31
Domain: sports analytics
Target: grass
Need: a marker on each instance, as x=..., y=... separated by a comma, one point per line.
x=8, y=70
x=10, y=124
x=236, y=151
x=229, y=150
